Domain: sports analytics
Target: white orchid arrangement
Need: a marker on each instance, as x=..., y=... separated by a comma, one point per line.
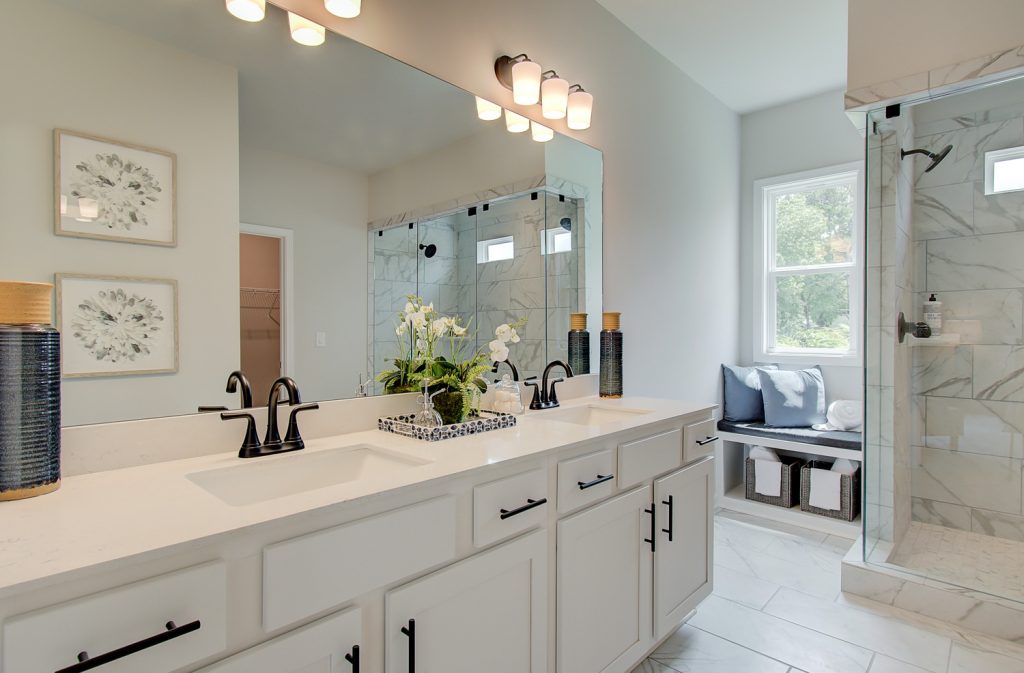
x=504, y=335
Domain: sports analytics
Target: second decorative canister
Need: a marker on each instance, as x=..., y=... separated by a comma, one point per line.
x=579, y=344
x=611, y=356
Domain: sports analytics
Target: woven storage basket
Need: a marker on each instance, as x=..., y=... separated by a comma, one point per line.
x=849, y=493
x=789, y=496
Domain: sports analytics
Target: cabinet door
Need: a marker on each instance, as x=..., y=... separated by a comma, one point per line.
x=604, y=585
x=486, y=613
x=683, y=565
x=318, y=648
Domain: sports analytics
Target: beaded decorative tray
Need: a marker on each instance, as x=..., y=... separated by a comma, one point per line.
x=474, y=425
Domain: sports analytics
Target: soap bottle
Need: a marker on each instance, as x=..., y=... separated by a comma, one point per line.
x=933, y=314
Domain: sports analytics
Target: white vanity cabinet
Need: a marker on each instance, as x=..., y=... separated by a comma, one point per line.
x=486, y=613
x=683, y=556
x=330, y=645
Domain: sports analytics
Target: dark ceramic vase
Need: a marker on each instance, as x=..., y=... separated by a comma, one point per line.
x=611, y=357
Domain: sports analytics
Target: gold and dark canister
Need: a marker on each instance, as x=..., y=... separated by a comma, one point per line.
x=579, y=344
x=611, y=356
x=29, y=391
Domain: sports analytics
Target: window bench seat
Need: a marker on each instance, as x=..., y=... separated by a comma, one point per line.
x=834, y=444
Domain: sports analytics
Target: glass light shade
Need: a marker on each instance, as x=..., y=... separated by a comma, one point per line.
x=526, y=83
x=487, y=110
x=581, y=106
x=306, y=32
x=346, y=9
x=554, y=93
x=247, y=10
x=541, y=133
x=516, y=123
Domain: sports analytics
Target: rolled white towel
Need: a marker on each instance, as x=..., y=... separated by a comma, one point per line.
x=762, y=453
x=846, y=414
x=844, y=466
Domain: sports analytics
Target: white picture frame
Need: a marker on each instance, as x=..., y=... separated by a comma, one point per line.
x=117, y=325
x=115, y=191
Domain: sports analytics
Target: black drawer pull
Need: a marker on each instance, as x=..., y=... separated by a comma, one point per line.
x=353, y=658
x=530, y=504
x=654, y=527
x=411, y=632
x=584, y=485
x=706, y=440
x=87, y=663
x=671, y=511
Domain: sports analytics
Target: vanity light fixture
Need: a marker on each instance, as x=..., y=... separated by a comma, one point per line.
x=541, y=133
x=487, y=110
x=346, y=9
x=580, y=108
x=554, y=95
x=516, y=123
x=306, y=32
x=247, y=10
x=522, y=76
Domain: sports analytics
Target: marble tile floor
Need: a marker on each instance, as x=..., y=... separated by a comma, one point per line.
x=778, y=608
x=970, y=560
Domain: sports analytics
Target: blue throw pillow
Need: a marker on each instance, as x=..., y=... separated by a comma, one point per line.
x=743, y=401
x=793, y=399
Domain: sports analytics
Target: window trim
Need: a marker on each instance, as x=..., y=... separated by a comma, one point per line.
x=764, y=274
x=992, y=157
x=483, y=252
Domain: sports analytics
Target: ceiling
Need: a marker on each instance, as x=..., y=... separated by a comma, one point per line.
x=342, y=103
x=750, y=54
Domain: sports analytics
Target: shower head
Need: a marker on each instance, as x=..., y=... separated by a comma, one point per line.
x=566, y=223
x=429, y=250
x=936, y=158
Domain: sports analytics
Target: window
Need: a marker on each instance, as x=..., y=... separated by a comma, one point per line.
x=495, y=250
x=555, y=240
x=808, y=257
x=1004, y=170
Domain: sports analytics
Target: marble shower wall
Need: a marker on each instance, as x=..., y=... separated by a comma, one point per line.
x=967, y=461
x=890, y=274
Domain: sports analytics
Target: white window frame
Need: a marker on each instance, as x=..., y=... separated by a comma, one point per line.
x=765, y=273
x=547, y=240
x=483, y=249
x=994, y=157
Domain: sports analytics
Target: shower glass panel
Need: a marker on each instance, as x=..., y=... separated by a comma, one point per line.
x=944, y=424
x=560, y=247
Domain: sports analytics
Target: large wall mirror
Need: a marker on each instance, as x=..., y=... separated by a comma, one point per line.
x=211, y=196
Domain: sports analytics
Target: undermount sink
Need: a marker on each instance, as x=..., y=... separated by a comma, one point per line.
x=591, y=414
x=262, y=479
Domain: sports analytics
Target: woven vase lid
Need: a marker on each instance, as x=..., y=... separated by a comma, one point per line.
x=578, y=321
x=23, y=303
x=612, y=320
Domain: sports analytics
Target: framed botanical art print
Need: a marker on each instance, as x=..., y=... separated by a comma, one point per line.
x=116, y=326
x=115, y=191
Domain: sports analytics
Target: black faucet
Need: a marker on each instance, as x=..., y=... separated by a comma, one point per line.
x=515, y=372
x=272, y=442
x=235, y=379
x=545, y=396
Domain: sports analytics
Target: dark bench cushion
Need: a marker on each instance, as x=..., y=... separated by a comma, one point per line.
x=833, y=438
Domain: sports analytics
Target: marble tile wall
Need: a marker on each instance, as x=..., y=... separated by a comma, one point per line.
x=969, y=247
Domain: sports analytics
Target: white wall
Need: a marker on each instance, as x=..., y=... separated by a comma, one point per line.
x=889, y=40
x=491, y=158
x=803, y=135
x=326, y=207
x=139, y=91
x=671, y=161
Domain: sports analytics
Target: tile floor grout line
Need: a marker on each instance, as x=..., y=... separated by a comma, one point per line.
x=740, y=645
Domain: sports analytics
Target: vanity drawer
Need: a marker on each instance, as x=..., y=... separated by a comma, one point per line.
x=315, y=572
x=509, y=506
x=585, y=479
x=194, y=599
x=699, y=440
x=649, y=457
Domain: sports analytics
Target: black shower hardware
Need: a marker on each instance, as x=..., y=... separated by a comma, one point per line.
x=936, y=158
x=429, y=249
x=566, y=223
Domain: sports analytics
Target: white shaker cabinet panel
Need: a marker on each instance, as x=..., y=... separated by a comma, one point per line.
x=330, y=645
x=683, y=562
x=604, y=586
x=486, y=613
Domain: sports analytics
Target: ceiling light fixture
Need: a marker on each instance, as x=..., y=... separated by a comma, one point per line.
x=306, y=32
x=487, y=110
x=541, y=133
x=554, y=93
x=247, y=10
x=516, y=123
x=346, y=9
x=580, y=108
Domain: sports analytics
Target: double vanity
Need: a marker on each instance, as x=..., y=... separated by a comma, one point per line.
x=573, y=542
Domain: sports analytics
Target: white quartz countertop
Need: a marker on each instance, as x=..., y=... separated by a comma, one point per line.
x=98, y=518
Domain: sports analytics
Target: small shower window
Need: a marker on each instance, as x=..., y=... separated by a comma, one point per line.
x=556, y=240
x=495, y=250
x=1004, y=170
